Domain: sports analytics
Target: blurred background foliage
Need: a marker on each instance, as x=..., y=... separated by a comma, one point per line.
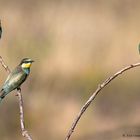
x=76, y=44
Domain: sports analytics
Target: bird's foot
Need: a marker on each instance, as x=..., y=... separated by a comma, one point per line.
x=18, y=89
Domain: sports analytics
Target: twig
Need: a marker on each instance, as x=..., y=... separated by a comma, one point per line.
x=24, y=131
x=92, y=97
x=4, y=65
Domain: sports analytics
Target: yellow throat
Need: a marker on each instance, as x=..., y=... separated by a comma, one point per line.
x=26, y=65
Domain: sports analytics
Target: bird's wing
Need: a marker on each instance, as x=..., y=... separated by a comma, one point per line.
x=12, y=74
x=14, y=80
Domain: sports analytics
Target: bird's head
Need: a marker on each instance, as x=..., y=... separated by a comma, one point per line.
x=26, y=63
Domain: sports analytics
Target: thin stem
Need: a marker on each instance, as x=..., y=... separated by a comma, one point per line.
x=24, y=131
x=92, y=97
x=4, y=65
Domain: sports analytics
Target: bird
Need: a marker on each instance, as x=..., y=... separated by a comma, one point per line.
x=16, y=77
x=0, y=29
x=139, y=48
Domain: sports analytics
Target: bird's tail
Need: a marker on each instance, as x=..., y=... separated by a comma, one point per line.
x=2, y=94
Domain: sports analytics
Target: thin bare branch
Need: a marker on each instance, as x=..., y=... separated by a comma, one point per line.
x=24, y=131
x=92, y=97
x=20, y=99
x=4, y=65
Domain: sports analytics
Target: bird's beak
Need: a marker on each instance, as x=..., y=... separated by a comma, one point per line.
x=32, y=61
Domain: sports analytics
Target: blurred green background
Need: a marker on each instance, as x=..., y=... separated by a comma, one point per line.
x=76, y=44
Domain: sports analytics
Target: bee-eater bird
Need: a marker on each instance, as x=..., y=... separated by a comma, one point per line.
x=0, y=29
x=16, y=77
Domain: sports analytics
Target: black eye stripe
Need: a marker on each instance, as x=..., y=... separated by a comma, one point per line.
x=27, y=62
